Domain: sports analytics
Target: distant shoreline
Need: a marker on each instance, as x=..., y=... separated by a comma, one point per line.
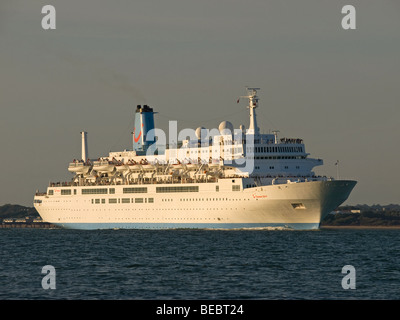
x=359, y=227
x=25, y=225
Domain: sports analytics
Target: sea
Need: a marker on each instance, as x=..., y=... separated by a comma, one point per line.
x=258, y=264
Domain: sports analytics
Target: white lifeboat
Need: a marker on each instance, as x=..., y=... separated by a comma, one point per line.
x=121, y=167
x=79, y=167
x=178, y=165
x=133, y=165
x=146, y=165
x=103, y=166
x=213, y=163
x=191, y=166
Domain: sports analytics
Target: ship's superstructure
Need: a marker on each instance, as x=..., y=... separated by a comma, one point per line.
x=220, y=178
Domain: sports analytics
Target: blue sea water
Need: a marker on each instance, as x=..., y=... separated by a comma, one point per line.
x=199, y=264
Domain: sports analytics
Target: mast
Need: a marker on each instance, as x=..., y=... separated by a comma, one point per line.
x=253, y=104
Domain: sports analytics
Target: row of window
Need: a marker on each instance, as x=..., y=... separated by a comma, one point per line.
x=210, y=199
x=65, y=192
x=151, y=200
x=234, y=188
x=273, y=167
x=280, y=157
x=275, y=149
x=123, y=200
x=214, y=151
x=96, y=191
x=177, y=189
x=137, y=190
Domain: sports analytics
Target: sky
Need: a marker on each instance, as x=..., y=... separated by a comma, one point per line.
x=337, y=89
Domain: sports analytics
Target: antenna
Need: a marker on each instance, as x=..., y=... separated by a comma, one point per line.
x=251, y=94
x=252, y=91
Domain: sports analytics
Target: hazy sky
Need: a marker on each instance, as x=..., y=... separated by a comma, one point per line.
x=337, y=89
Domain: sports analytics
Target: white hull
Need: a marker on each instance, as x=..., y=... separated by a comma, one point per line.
x=297, y=205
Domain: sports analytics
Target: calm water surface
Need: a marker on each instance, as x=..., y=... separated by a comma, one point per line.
x=199, y=264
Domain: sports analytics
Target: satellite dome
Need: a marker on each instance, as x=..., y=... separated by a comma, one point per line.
x=225, y=127
x=198, y=132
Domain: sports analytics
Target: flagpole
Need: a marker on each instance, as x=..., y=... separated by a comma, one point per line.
x=337, y=169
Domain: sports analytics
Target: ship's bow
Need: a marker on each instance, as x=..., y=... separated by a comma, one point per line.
x=333, y=194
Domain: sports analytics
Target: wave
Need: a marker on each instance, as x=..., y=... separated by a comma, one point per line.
x=286, y=228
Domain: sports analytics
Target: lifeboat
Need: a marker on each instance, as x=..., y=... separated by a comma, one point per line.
x=103, y=166
x=178, y=165
x=213, y=163
x=121, y=167
x=192, y=166
x=133, y=165
x=146, y=165
x=79, y=167
x=160, y=164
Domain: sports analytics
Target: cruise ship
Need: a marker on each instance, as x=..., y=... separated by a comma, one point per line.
x=221, y=178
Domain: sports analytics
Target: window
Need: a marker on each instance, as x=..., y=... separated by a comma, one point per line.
x=151, y=200
x=217, y=188
x=51, y=192
x=177, y=189
x=113, y=200
x=135, y=190
x=126, y=200
x=138, y=200
x=97, y=201
x=65, y=192
x=235, y=188
x=111, y=191
x=95, y=191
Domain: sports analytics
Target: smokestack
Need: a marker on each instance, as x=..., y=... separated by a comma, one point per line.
x=144, y=122
x=85, y=154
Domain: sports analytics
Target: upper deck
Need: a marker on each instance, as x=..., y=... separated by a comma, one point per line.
x=226, y=184
x=206, y=156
